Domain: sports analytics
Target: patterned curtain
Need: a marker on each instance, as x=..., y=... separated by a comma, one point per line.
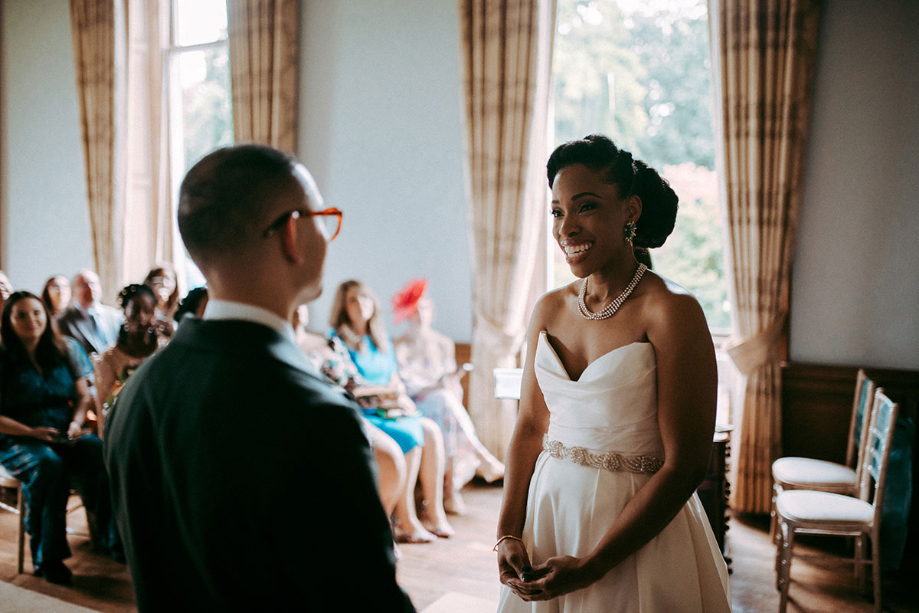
x=506, y=52
x=148, y=220
x=767, y=52
x=98, y=28
x=264, y=45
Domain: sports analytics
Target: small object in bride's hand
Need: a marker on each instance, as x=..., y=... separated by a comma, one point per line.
x=526, y=573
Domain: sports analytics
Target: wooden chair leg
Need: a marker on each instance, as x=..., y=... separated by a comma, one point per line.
x=773, y=520
x=788, y=538
x=860, y=561
x=778, y=555
x=876, y=572
x=20, y=503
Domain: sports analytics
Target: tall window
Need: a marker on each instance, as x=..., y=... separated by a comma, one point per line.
x=200, y=111
x=639, y=72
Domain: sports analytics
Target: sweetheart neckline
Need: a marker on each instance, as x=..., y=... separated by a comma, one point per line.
x=545, y=338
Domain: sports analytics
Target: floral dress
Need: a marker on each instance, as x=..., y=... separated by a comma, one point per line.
x=112, y=371
x=421, y=366
x=339, y=366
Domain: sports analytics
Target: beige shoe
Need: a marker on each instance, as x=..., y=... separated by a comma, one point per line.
x=455, y=505
x=491, y=471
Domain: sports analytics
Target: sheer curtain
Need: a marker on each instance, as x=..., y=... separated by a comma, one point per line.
x=264, y=42
x=766, y=50
x=506, y=52
x=98, y=32
x=149, y=225
x=119, y=49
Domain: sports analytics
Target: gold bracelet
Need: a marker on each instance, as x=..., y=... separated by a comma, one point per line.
x=507, y=536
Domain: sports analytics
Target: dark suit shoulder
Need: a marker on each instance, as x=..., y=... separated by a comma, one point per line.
x=243, y=380
x=69, y=315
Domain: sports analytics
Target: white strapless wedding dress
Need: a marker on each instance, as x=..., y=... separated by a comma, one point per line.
x=602, y=445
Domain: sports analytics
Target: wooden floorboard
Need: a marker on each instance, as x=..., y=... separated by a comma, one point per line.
x=465, y=565
x=98, y=582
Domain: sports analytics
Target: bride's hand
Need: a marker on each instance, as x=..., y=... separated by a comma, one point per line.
x=558, y=576
x=512, y=557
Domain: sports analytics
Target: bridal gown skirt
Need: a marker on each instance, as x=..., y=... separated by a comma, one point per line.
x=612, y=408
x=680, y=570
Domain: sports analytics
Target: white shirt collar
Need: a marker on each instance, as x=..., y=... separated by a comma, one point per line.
x=225, y=309
x=92, y=310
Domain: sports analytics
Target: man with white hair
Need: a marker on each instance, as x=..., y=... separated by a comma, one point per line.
x=92, y=324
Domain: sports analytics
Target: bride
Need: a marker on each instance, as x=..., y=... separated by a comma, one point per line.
x=617, y=412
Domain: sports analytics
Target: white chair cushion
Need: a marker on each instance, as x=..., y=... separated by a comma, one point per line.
x=6, y=479
x=808, y=473
x=806, y=506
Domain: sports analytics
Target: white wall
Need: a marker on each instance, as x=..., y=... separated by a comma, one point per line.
x=855, y=291
x=381, y=130
x=43, y=195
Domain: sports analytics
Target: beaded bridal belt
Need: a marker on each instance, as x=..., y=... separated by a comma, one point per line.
x=643, y=464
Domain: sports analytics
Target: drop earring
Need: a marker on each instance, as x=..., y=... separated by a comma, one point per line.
x=630, y=231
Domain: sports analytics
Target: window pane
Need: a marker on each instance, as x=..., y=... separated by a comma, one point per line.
x=207, y=120
x=639, y=71
x=199, y=21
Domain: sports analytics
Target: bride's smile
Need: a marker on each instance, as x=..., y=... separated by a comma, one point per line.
x=575, y=252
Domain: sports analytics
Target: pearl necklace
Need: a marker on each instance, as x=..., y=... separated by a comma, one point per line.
x=613, y=306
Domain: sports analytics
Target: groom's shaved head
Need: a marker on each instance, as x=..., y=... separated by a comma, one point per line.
x=228, y=196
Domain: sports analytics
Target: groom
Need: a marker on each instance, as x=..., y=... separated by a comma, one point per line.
x=239, y=479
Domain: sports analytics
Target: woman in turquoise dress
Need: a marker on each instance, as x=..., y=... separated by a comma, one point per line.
x=356, y=322
x=44, y=398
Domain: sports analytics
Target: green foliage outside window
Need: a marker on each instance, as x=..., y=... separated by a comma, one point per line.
x=207, y=113
x=640, y=72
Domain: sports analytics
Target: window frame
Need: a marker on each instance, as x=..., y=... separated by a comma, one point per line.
x=187, y=273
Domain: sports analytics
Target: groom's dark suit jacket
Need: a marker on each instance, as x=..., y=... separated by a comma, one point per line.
x=242, y=482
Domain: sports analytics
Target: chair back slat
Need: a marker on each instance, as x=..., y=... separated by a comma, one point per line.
x=877, y=451
x=862, y=405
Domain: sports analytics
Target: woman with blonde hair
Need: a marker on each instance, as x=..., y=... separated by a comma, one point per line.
x=356, y=321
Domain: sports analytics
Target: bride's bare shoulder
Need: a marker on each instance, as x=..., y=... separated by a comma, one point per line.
x=554, y=302
x=668, y=302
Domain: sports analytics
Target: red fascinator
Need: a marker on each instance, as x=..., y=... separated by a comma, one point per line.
x=405, y=302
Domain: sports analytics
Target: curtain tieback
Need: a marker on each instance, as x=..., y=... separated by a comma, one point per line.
x=760, y=349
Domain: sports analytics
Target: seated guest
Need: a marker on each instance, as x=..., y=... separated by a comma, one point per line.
x=332, y=361
x=193, y=304
x=427, y=365
x=357, y=323
x=94, y=325
x=162, y=280
x=44, y=399
x=56, y=295
x=6, y=288
x=137, y=341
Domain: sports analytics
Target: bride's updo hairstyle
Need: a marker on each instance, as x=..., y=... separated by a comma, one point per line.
x=633, y=177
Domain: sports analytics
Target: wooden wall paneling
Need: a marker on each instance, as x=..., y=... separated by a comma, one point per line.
x=816, y=409
x=817, y=406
